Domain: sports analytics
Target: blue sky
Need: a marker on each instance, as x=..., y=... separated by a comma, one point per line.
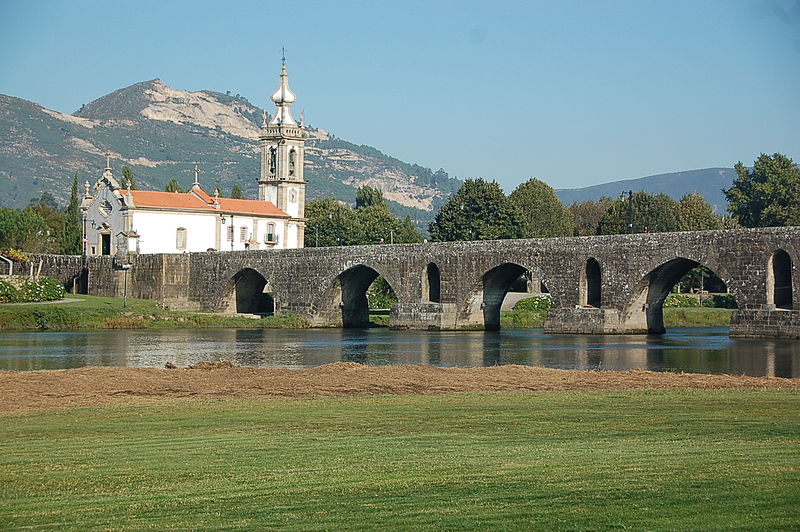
x=572, y=92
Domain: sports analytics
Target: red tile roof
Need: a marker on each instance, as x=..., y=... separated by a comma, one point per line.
x=198, y=200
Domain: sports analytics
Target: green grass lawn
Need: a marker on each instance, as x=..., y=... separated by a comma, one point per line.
x=659, y=460
x=93, y=312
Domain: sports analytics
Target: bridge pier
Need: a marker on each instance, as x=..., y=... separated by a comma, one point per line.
x=778, y=323
x=584, y=320
x=425, y=316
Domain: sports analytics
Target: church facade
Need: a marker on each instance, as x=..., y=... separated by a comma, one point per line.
x=120, y=220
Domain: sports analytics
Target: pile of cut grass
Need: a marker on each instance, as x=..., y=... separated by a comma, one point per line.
x=656, y=460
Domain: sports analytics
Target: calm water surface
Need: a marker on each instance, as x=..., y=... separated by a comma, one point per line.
x=690, y=350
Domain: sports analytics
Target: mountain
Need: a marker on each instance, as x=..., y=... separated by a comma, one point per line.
x=161, y=132
x=709, y=182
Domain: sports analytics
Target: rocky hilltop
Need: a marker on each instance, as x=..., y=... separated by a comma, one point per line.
x=161, y=132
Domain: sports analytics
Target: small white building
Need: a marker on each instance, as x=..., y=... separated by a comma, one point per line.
x=119, y=220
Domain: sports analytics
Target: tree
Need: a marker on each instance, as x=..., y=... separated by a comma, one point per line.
x=768, y=195
x=695, y=214
x=173, y=186
x=367, y=196
x=377, y=224
x=586, y=215
x=24, y=230
x=73, y=229
x=47, y=209
x=477, y=211
x=331, y=223
x=648, y=213
x=542, y=213
x=127, y=178
x=236, y=191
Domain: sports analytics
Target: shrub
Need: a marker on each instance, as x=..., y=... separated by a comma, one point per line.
x=8, y=292
x=679, y=300
x=535, y=303
x=46, y=289
x=721, y=301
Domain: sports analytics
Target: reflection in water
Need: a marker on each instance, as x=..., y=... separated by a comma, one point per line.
x=691, y=350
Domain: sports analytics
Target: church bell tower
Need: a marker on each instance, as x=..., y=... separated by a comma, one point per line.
x=282, y=142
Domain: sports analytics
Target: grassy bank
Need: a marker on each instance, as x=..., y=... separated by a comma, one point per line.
x=657, y=460
x=91, y=312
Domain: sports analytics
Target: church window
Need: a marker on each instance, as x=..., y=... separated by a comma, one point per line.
x=243, y=234
x=270, y=236
x=106, y=208
x=272, y=160
x=291, y=162
x=180, y=238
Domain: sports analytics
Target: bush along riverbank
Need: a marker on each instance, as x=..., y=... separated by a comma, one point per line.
x=81, y=312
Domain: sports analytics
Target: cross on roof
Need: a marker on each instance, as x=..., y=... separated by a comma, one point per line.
x=196, y=173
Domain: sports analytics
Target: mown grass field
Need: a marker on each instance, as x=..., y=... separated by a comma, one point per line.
x=656, y=460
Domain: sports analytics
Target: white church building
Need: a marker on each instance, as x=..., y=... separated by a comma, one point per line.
x=120, y=220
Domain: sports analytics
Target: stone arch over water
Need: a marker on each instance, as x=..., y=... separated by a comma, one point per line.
x=647, y=304
x=248, y=292
x=482, y=306
x=344, y=302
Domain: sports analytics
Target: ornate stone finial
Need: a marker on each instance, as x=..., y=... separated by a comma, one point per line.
x=216, y=193
x=86, y=186
x=283, y=55
x=263, y=118
x=127, y=185
x=108, y=161
x=302, y=117
x=196, y=173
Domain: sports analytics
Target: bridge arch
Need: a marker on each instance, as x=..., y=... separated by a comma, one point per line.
x=248, y=291
x=432, y=283
x=344, y=302
x=779, y=280
x=482, y=305
x=649, y=294
x=590, y=290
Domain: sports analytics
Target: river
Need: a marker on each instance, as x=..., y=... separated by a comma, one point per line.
x=690, y=350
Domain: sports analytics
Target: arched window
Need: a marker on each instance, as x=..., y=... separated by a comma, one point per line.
x=270, y=236
x=590, y=291
x=291, y=162
x=434, y=283
x=272, y=159
x=779, y=280
x=180, y=238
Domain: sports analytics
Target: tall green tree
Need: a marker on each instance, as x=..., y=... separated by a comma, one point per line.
x=586, y=215
x=128, y=180
x=46, y=207
x=695, y=214
x=648, y=213
x=24, y=230
x=330, y=223
x=367, y=196
x=768, y=195
x=236, y=191
x=73, y=223
x=541, y=212
x=173, y=186
x=478, y=211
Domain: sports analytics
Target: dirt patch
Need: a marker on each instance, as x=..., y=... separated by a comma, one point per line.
x=104, y=386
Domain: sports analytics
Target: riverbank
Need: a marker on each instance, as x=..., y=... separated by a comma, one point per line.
x=669, y=459
x=109, y=386
x=81, y=312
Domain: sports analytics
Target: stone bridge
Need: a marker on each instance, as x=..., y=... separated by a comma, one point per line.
x=601, y=285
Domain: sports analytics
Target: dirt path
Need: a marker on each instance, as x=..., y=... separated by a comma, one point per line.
x=104, y=386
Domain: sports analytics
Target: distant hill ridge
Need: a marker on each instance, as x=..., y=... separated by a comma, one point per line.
x=161, y=132
x=707, y=181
